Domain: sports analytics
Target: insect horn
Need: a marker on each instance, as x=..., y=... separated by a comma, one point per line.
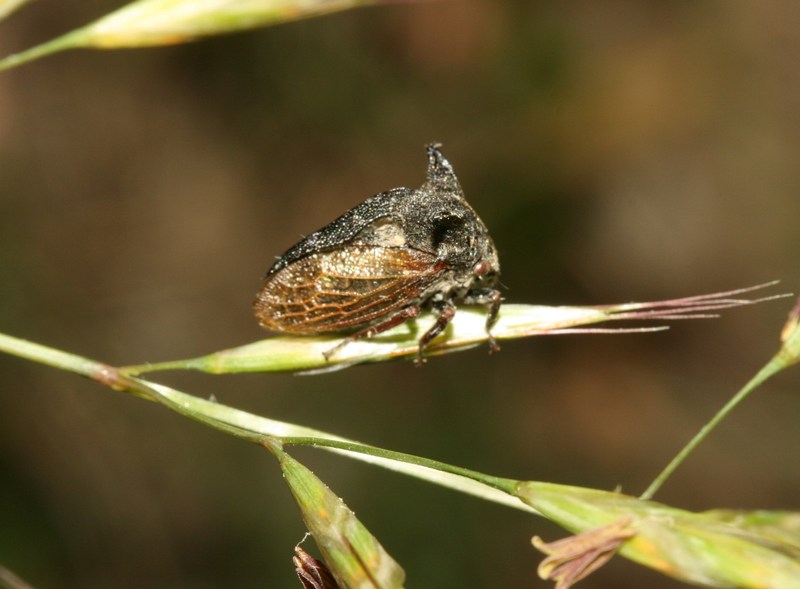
x=441, y=177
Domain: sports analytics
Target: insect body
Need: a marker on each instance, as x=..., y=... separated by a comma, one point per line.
x=383, y=261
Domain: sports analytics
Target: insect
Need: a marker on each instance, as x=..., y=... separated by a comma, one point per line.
x=313, y=574
x=383, y=261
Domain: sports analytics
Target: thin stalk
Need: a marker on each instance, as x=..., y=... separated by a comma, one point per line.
x=105, y=374
x=49, y=356
x=69, y=41
x=762, y=375
x=501, y=484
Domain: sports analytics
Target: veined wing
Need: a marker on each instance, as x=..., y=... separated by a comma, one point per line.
x=345, y=288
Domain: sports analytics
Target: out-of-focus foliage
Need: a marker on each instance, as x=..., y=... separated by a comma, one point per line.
x=147, y=23
x=9, y=6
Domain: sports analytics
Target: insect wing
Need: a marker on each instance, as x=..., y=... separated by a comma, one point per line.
x=345, y=288
x=312, y=573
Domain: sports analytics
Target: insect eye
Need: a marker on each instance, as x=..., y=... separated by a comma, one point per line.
x=444, y=227
x=481, y=268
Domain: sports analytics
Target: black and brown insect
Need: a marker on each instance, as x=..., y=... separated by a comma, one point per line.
x=383, y=261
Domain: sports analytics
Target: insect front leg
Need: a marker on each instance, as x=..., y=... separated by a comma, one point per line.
x=491, y=299
x=446, y=311
x=401, y=316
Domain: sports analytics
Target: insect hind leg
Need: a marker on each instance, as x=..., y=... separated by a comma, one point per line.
x=447, y=311
x=401, y=316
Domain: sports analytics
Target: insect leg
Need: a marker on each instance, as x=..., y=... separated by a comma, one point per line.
x=491, y=299
x=446, y=310
x=401, y=316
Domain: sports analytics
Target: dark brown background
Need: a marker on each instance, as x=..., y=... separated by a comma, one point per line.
x=617, y=151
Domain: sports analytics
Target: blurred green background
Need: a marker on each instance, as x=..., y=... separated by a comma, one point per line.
x=617, y=151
